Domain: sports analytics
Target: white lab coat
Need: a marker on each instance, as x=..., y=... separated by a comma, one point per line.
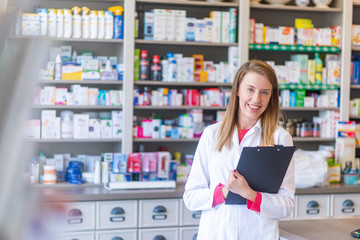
x=211, y=167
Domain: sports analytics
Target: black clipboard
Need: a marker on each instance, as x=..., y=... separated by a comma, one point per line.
x=264, y=169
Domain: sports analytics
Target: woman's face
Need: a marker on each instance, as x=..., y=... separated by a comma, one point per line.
x=254, y=96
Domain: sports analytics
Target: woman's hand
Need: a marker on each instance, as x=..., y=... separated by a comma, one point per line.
x=236, y=183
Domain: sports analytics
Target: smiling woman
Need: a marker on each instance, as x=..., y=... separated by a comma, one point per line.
x=251, y=119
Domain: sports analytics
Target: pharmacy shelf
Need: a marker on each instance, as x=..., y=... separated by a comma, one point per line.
x=85, y=82
x=172, y=140
x=307, y=87
x=65, y=185
x=68, y=39
x=82, y=107
x=293, y=48
x=190, y=3
x=177, y=108
x=355, y=86
x=355, y=49
x=186, y=84
x=312, y=139
x=200, y=44
x=308, y=108
x=294, y=8
x=95, y=140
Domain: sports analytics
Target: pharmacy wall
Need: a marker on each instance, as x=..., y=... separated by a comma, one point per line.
x=128, y=84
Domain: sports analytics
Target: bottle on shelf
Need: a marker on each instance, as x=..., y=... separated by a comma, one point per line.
x=85, y=23
x=101, y=25
x=76, y=22
x=118, y=21
x=109, y=25
x=58, y=66
x=318, y=69
x=93, y=21
x=67, y=23
x=155, y=68
x=144, y=65
x=60, y=23
x=52, y=22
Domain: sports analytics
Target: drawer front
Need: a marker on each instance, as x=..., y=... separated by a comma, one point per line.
x=157, y=213
x=312, y=206
x=188, y=217
x=117, y=235
x=77, y=236
x=79, y=216
x=159, y=234
x=188, y=233
x=116, y=214
x=346, y=204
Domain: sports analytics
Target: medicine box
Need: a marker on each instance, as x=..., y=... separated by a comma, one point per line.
x=32, y=128
x=48, y=130
x=149, y=26
x=81, y=126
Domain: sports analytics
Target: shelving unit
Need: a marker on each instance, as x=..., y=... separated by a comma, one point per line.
x=293, y=48
x=68, y=39
x=295, y=8
x=183, y=84
x=84, y=82
x=76, y=107
x=178, y=43
x=340, y=13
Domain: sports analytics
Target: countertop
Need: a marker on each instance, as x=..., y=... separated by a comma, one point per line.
x=319, y=229
x=69, y=192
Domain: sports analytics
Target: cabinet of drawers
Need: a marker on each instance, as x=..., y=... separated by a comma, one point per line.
x=158, y=213
x=159, y=234
x=188, y=233
x=188, y=218
x=79, y=216
x=310, y=206
x=116, y=214
x=117, y=235
x=77, y=236
x=345, y=205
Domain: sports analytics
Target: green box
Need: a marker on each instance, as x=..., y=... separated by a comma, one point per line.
x=136, y=64
x=300, y=94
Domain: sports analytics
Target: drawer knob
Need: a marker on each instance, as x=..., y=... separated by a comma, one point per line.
x=160, y=213
x=313, y=207
x=348, y=206
x=159, y=237
x=159, y=209
x=117, y=211
x=313, y=204
x=348, y=203
x=196, y=215
x=75, y=212
x=117, y=238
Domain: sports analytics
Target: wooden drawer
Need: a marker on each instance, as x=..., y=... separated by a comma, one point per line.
x=188, y=233
x=158, y=212
x=310, y=206
x=77, y=236
x=188, y=218
x=78, y=216
x=116, y=214
x=159, y=234
x=117, y=235
x=345, y=205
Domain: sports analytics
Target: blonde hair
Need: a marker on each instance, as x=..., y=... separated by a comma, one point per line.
x=269, y=118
